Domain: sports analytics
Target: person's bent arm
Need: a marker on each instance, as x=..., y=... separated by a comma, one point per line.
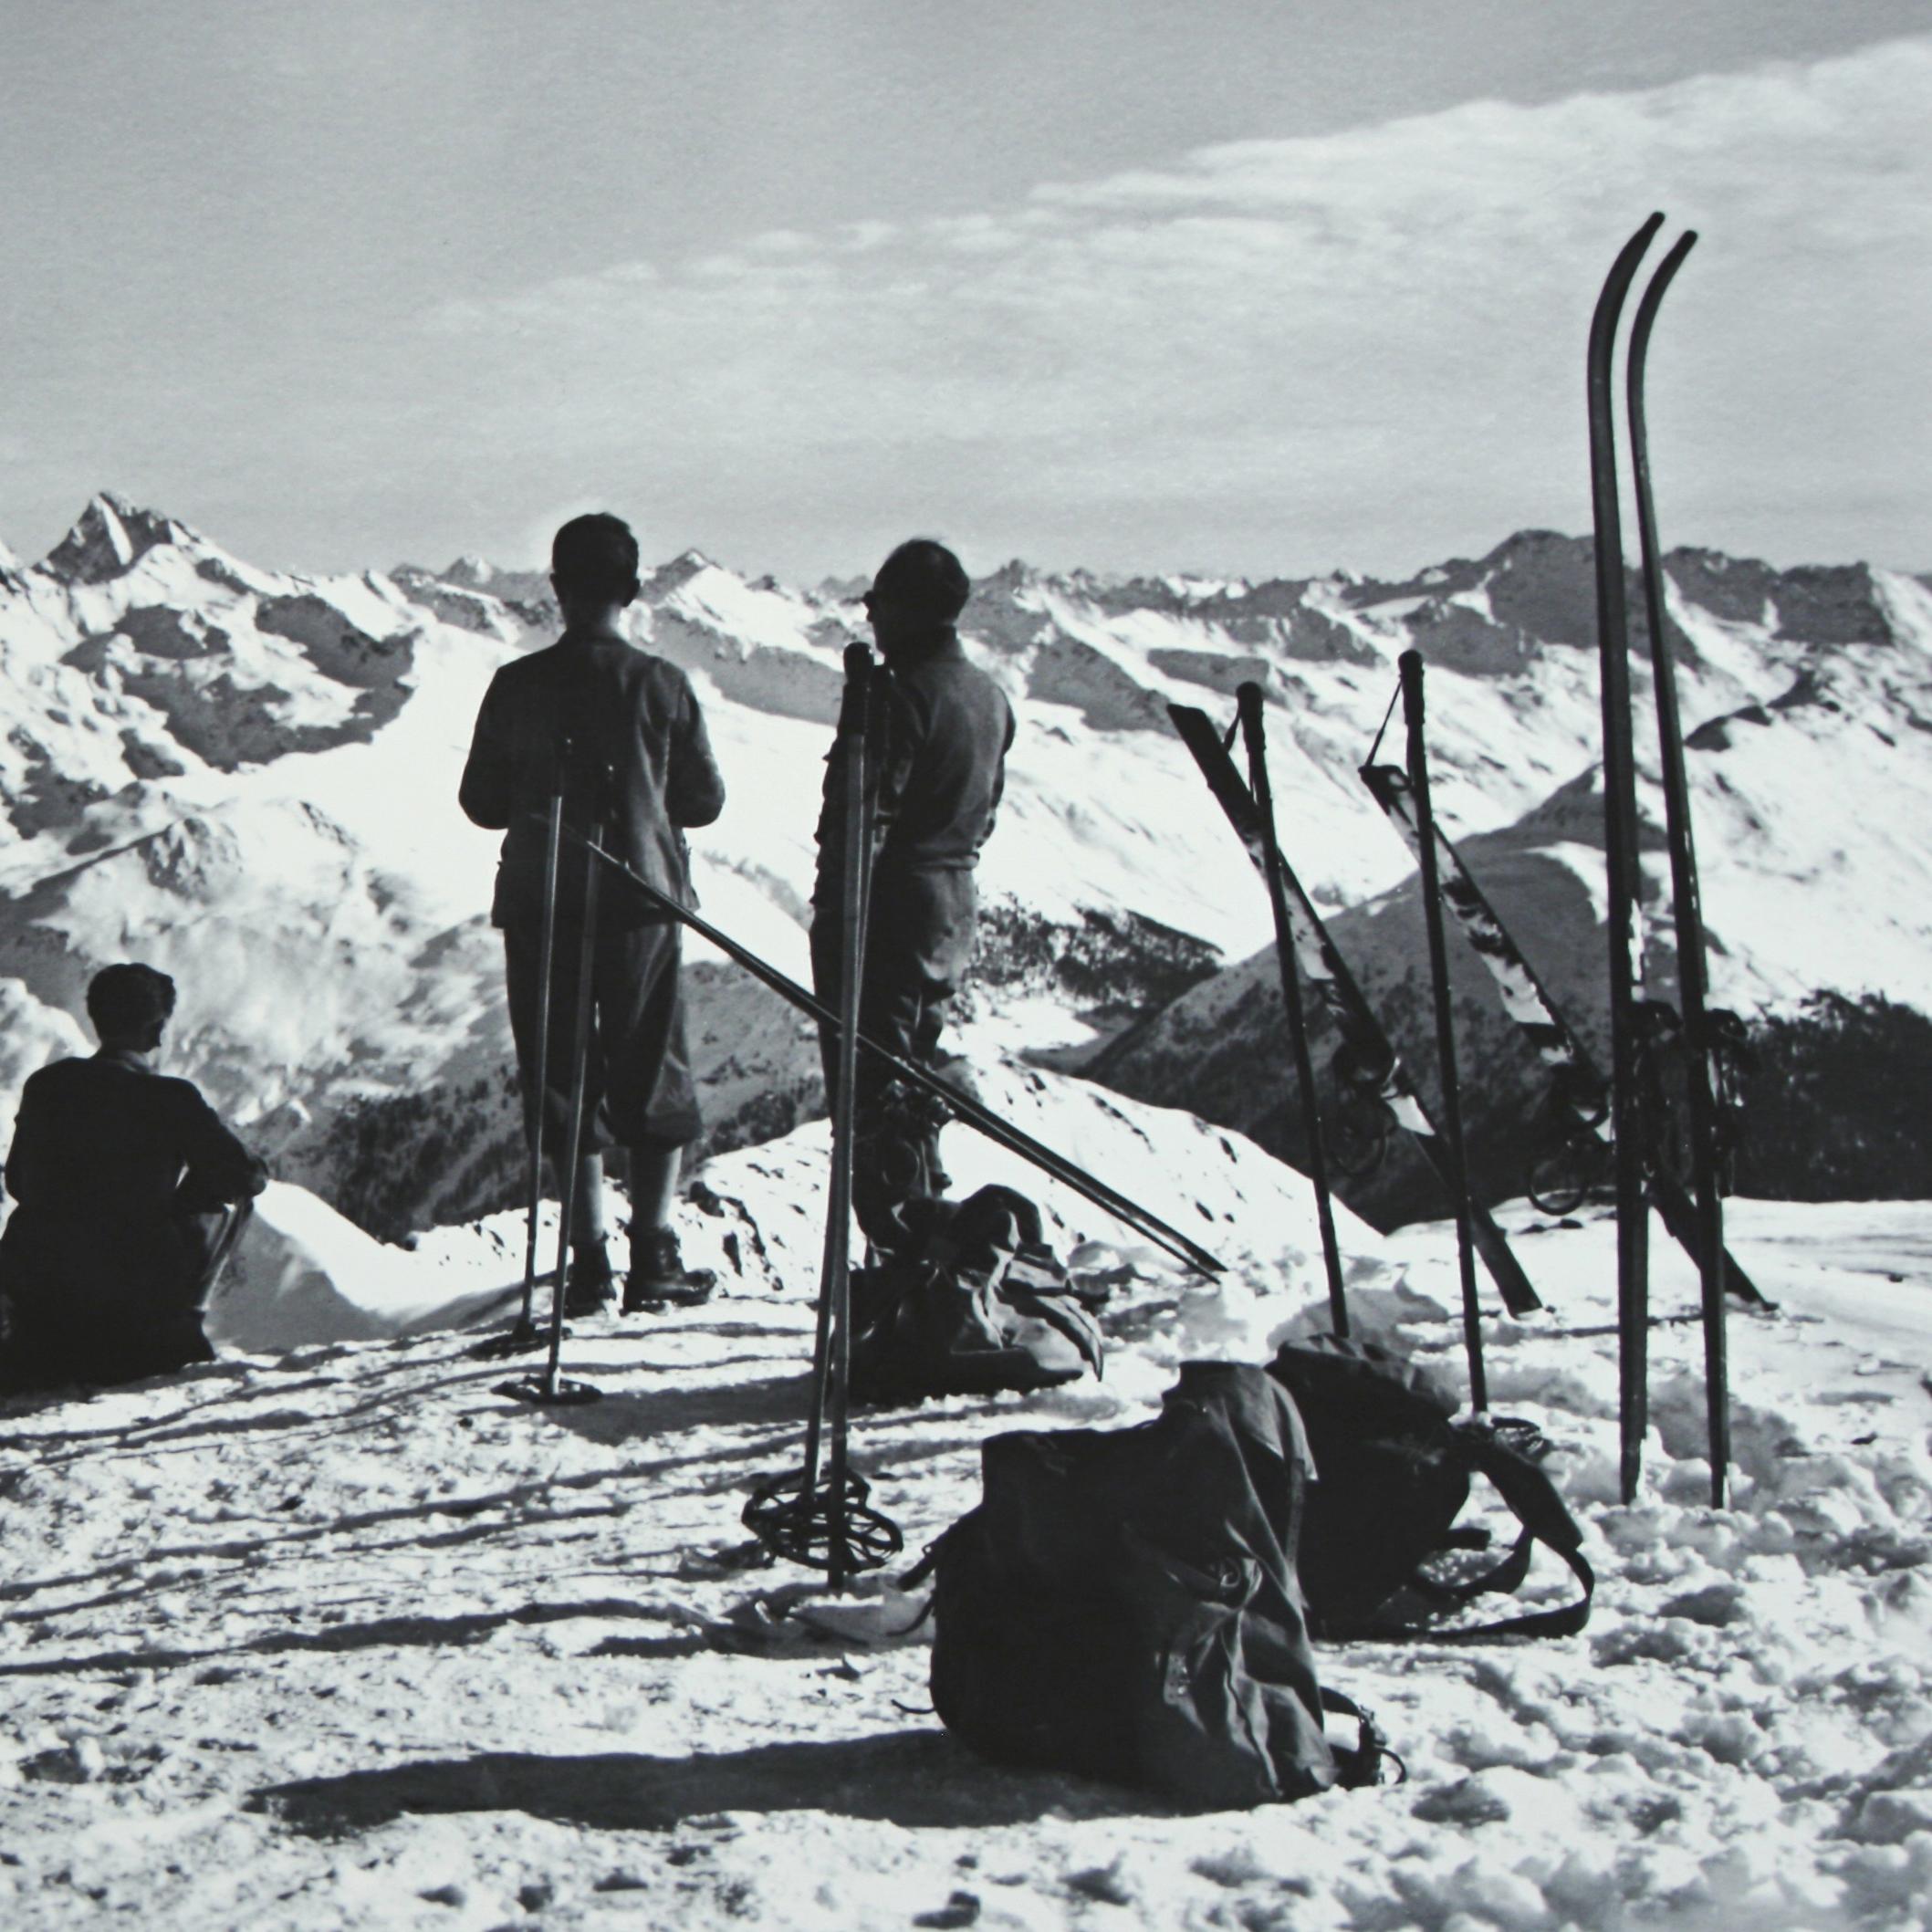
x=1000, y=782
x=694, y=785
x=21, y=1162
x=484, y=792
x=904, y=734
x=220, y=1169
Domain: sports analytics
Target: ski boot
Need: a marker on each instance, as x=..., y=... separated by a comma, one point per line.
x=658, y=1278
x=590, y=1286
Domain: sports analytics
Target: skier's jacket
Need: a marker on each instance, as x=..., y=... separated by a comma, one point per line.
x=974, y=1302
x=941, y=770
x=1392, y=1472
x=639, y=758
x=1123, y=1603
x=110, y=1161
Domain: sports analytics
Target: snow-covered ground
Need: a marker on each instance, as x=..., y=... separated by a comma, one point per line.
x=342, y=1638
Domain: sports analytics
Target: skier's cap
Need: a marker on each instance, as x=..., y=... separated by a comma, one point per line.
x=925, y=578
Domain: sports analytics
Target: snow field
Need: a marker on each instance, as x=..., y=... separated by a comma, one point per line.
x=339, y=1637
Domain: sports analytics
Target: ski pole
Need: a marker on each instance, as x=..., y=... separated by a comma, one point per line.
x=1410, y=664
x=1335, y=987
x=1581, y=1089
x=579, y=1078
x=1692, y=984
x=1620, y=858
x=552, y=853
x=828, y=1524
x=857, y=856
x=830, y=1354
x=1249, y=697
x=962, y=1106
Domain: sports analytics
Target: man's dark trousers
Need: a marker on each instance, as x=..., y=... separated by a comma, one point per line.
x=640, y=1087
x=918, y=942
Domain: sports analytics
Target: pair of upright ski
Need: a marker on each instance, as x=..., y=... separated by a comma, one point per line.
x=1634, y=1158
x=1614, y=1112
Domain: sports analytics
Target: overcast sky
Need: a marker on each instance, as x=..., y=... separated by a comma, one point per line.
x=1233, y=285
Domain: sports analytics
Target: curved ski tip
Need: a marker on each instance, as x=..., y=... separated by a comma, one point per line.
x=1644, y=234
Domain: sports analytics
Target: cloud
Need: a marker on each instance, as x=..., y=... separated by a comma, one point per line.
x=1360, y=348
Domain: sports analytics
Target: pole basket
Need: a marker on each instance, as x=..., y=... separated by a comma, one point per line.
x=540, y=1392
x=822, y=1527
x=518, y=1340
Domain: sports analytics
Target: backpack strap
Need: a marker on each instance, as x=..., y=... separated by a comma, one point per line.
x=1363, y=1765
x=1507, y=1576
x=1545, y=1519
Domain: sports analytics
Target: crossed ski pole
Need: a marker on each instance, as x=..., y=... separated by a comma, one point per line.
x=1410, y=664
x=1340, y=996
x=1581, y=1090
x=961, y=1106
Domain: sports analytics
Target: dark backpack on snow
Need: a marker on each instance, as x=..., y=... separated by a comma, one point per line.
x=1122, y=1604
x=1391, y=1474
x=974, y=1302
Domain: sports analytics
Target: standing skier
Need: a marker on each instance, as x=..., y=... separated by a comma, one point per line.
x=618, y=731
x=937, y=765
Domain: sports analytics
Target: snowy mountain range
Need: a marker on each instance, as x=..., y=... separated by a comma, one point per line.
x=247, y=778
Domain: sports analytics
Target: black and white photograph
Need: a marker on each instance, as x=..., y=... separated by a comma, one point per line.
x=965, y=965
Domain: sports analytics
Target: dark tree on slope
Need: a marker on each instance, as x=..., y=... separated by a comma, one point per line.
x=1836, y=1106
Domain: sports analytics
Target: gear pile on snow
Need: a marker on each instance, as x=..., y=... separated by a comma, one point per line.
x=1123, y=1603
x=976, y=1302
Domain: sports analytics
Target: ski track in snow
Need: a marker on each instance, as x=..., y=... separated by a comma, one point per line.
x=341, y=1638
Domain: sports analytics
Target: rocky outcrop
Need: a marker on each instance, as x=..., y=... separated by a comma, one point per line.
x=110, y=536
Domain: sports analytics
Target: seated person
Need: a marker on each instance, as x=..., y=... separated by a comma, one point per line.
x=129, y=1195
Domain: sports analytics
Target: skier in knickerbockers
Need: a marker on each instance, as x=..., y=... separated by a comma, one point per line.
x=938, y=776
x=623, y=729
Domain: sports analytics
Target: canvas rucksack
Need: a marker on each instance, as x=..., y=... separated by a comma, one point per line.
x=1122, y=1604
x=974, y=1302
x=1391, y=1473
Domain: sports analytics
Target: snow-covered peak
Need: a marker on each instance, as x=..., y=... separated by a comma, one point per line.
x=109, y=537
x=479, y=574
x=676, y=572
